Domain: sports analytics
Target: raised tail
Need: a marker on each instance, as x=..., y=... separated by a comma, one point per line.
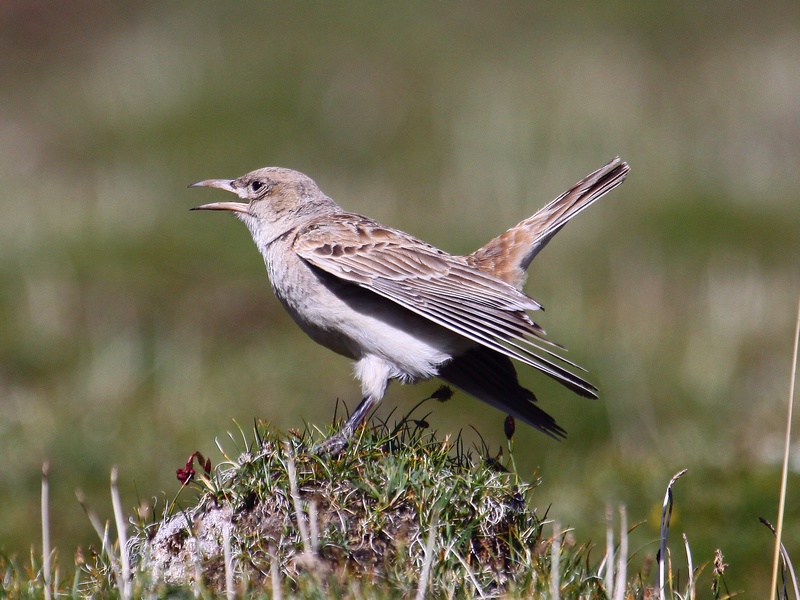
x=508, y=255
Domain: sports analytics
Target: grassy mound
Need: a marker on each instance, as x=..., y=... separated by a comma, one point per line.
x=398, y=503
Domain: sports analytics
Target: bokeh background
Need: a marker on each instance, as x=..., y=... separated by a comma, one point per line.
x=134, y=332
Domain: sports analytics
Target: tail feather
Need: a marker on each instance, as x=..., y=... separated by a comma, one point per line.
x=508, y=255
x=491, y=377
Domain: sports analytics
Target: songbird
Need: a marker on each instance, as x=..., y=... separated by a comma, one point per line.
x=403, y=309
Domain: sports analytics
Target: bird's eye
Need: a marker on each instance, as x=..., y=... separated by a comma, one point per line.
x=256, y=185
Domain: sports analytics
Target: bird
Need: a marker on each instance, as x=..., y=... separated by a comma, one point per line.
x=401, y=308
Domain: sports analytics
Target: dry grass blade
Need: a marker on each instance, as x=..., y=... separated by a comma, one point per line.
x=622, y=559
x=555, y=551
x=786, y=561
x=298, y=509
x=467, y=572
x=313, y=525
x=102, y=533
x=666, y=515
x=426, y=567
x=608, y=577
x=122, y=535
x=690, y=568
x=785, y=471
x=792, y=574
x=46, y=567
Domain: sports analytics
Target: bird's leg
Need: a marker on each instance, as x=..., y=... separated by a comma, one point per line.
x=336, y=443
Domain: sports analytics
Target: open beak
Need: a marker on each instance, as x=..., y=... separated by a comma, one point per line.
x=223, y=184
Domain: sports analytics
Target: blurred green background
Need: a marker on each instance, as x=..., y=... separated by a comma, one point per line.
x=134, y=331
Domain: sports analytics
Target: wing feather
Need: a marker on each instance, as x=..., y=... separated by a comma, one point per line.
x=498, y=339
x=438, y=286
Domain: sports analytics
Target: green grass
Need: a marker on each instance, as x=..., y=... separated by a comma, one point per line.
x=401, y=512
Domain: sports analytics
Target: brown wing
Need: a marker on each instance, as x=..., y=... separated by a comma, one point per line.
x=435, y=285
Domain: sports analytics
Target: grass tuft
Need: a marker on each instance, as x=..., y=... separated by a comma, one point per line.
x=400, y=511
x=367, y=512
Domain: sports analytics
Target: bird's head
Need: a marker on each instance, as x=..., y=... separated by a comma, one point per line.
x=271, y=200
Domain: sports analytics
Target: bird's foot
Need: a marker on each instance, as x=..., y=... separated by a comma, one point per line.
x=334, y=445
